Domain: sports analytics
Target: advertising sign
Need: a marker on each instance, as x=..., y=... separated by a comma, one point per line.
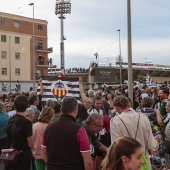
x=104, y=75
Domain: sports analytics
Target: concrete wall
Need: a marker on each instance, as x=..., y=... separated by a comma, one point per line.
x=160, y=79
x=11, y=48
x=25, y=46
x=25, y=86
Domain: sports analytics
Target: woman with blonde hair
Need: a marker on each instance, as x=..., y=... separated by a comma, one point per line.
x=124, y=154
x=50, y=103
x=38, y=131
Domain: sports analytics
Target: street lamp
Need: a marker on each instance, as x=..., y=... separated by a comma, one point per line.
x=62, y=7
x=146, y=62
x=120, y=58
x=97, y=59
x=33, y=48
x=147, y=65
x=130, y=78
x=10, y=62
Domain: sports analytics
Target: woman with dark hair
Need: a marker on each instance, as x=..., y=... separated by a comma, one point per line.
x=105, y=138
x=81, y=114
x=38, y=132
x=124, y=154
x=154, y=95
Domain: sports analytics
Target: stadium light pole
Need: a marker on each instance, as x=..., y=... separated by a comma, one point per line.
x=33, y=48
x=120, y=58
x=62, y=7
x=130, y=77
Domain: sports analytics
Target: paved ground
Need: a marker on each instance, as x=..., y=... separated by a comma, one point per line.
x=167, y=160
x=167, y=156
x=1, y=166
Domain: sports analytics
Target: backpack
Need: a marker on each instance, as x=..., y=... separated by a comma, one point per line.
x=145, y=165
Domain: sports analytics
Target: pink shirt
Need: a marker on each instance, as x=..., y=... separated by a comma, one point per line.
x=38, y=133
x=82, y=140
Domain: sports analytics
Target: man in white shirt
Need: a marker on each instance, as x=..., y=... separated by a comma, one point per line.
x=97, y=106
x=132, y=124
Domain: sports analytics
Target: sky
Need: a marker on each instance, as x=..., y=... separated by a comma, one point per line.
x=92, y=28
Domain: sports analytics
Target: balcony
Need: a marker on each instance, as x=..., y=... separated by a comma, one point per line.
x=42, y=63
x=43, y=49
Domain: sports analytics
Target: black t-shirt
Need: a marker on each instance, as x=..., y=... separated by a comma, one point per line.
x=18, y=129
x=39, y=107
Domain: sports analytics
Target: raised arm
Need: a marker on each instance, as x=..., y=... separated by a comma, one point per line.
x=41, y=87
x=82, y=94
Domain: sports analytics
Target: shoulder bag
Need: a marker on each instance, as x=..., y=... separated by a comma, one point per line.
x=145, y=165
x=10, y=155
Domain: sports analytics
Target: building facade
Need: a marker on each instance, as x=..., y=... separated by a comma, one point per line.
x=16, y=48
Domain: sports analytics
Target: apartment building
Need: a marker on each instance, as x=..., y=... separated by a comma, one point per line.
x=16, y=48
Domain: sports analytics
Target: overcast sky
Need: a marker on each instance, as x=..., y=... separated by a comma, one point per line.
x=92, y=27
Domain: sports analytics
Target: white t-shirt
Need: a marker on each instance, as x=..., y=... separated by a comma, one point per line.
x=143, y=95
x=11, y=113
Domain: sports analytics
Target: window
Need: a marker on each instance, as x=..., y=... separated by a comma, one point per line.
x=40, y=60
x=17, y=40
x=3, y=38
x=17, y=56
x=3, y=54
x=40, y=27
x=41, y=72
x=16, y=24
x=3, y=22
x=17, y=71
x=4, y=71
x=40, y=44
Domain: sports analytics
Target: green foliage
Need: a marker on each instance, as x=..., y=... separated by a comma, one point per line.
x=136, y=77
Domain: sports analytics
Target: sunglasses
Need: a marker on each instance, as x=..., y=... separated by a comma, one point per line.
x=100, y=126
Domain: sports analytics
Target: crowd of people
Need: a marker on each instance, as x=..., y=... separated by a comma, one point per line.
x=105, y=131
x=77, y=70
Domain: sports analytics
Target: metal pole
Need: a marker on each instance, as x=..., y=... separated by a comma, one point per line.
x=97, y=64
x=62, y=7
x=33, y=47
x=10, y=62
x=146, y=63
x=130, y=77
x=120, y=60
x=62, y=45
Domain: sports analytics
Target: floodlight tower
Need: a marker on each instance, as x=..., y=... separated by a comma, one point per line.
x=62, y=7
